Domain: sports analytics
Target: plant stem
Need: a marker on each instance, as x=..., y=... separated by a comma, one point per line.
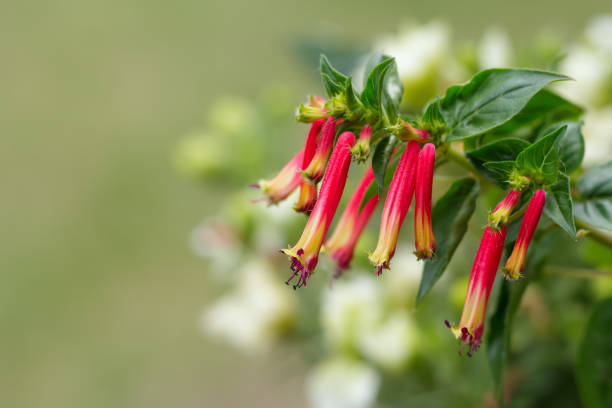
x=578, y=272
x=460, y=159
x=595, y=234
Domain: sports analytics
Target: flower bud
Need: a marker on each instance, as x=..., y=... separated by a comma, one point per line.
x=487, y=259
x=305, y=254
x=425, y=241
x=396, y=206
x=498, y=218
x=279, y=187
x=341, y=245
x=315, y=110
x=408, y=132
x=361, y=150
x=316, y=168
x=516, y=262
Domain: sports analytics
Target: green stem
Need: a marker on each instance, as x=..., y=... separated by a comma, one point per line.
x=460, y=159
x=595, y=234
x=578, y=272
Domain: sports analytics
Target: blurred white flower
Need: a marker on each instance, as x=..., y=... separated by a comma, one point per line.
x=392, y=342
x=218, y=242
x=351, y=308
x=417, y=49
x=599, y=32
x=401, y=283
x=342, y=383
x=597, y=131
x=255, y=314
x=495, y=49
x=591, y=71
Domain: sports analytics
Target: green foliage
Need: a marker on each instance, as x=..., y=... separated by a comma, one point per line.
x=450, y=217
x=595, y=196
x=594, y=368
x=490, y=99
x=559, y=205
x=540, y=161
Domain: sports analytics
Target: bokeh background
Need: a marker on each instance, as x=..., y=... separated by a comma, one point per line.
x=100, y=294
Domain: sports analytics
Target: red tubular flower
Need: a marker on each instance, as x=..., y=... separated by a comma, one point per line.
x=396, y=206
x=361, y=150
x=479, y=288
x=423, y=231
x=308, y=191
x=341, y=246
x=500, y=215
x=316, y=168
x=279, y=187
x=305, y=254
x=516, y=262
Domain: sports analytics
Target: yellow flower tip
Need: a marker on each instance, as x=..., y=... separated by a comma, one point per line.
x=290, y=252
x=512, y=274
x=424, y=254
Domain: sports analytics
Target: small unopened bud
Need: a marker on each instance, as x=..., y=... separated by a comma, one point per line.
x=308, y=114
x=361, y=150
x=408, y=132
x=498, y=218
x=317, y=101
x=338, y=105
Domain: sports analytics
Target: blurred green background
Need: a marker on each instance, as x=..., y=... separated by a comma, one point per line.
x=99, y=293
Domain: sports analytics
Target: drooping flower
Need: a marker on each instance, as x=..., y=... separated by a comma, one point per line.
x=500, y=215
x=308, y=191
x=316, y=168
x=516, y=262
x=341, y=245
x=305, y=254
x=396, y=206
x=425, y=241
x=487, y=259
x=361, y=150
x=288, y=179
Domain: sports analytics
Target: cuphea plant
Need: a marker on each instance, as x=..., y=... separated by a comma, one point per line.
x=504, y=127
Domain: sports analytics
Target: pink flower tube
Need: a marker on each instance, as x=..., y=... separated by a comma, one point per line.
x=425, y=241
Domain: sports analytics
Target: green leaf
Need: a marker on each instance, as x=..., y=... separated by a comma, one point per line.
x=504, y=150
x=450, y=218
x=333, y=80
x=595, y=190
x=500, y=150
x=352, y=98
x=393, y=86
x=373, y=90
x=499, y=172
x=544, y=107
x=490, y=99
x=540, y=161
x=559, y=206
x=571, y=144
x=594, y=365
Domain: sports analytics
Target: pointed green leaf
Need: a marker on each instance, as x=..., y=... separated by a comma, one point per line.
x=490, y=99
x=333, y=80
x=450, y=218
x=595, y=190
x=540, y=161
x=499, y=172
x=559, y=206
x=373, y=90
x=571, y=144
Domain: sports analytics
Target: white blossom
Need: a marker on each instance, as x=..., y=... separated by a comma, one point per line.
x=255, y=314
x=597, y=132
x=599, y=32
x=342, y=383
x=495, y=49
